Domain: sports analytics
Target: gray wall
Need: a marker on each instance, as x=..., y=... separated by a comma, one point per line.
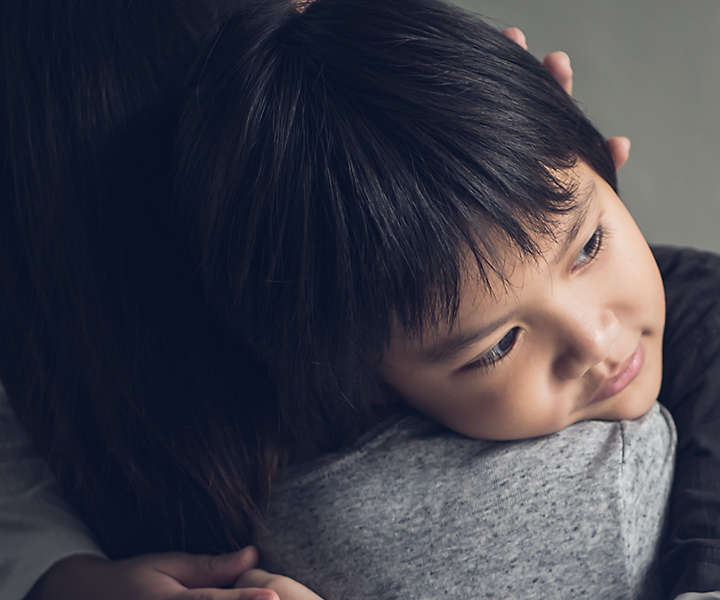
x=648, y=69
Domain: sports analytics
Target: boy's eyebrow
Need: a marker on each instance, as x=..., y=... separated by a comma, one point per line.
x=451, y=346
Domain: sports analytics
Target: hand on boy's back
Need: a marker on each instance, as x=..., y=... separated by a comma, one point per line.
x=286, y=588
x=558, y=63
x=172, y=576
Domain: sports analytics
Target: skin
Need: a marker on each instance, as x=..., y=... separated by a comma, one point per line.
x=170, y=576
x=574, y=319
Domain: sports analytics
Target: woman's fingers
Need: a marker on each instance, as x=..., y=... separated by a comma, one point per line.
x=619, y=149
x=286, y=588
x=516, y=35
x=215, y=594
x=558, y=63
x=205, y=570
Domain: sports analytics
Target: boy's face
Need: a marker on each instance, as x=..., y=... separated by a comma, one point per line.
x=576, y=336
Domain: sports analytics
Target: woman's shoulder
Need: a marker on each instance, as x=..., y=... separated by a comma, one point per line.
x=692, y=290
x=415, y=493
x=683, y=264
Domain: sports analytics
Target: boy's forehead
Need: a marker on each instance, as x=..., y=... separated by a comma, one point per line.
x=488, y=297
x=490, y=292
x=500, y=285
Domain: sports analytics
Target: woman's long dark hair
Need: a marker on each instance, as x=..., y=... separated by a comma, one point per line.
x=106, y=351
x=334, y=168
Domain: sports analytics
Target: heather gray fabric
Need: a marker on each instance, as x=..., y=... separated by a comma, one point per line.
x=416, y=512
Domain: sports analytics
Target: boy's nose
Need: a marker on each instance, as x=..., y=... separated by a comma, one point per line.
x=585, y=341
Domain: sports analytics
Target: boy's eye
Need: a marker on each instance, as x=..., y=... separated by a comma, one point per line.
x=592, y=248
x=497, y=352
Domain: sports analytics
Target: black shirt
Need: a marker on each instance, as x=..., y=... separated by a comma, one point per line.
x=690, y=552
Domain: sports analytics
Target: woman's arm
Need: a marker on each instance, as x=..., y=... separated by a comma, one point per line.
x=36, y=527
x=47, y=553
x=691, y=391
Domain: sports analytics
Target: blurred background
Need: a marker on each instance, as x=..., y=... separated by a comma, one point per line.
x=650, y=70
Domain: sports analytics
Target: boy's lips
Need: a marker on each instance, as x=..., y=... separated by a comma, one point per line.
x=629, y=369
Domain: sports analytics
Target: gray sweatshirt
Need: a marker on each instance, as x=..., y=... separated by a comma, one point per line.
x=414, y=512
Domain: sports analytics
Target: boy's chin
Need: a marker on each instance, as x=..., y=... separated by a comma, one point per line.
x=626, y=407
x=628, y=410
x=637, y=399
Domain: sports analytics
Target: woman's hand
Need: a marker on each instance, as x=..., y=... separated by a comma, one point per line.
x=286, y=588
x=558, y=63
x=173, y=576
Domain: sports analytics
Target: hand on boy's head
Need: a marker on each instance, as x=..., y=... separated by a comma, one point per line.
x=171, y=576
x=517, y=35
x=559, y=66
x=619, y=149
x=286, y=588
x=558, y=63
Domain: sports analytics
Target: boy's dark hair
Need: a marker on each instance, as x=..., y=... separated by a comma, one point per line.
x=337, y=164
